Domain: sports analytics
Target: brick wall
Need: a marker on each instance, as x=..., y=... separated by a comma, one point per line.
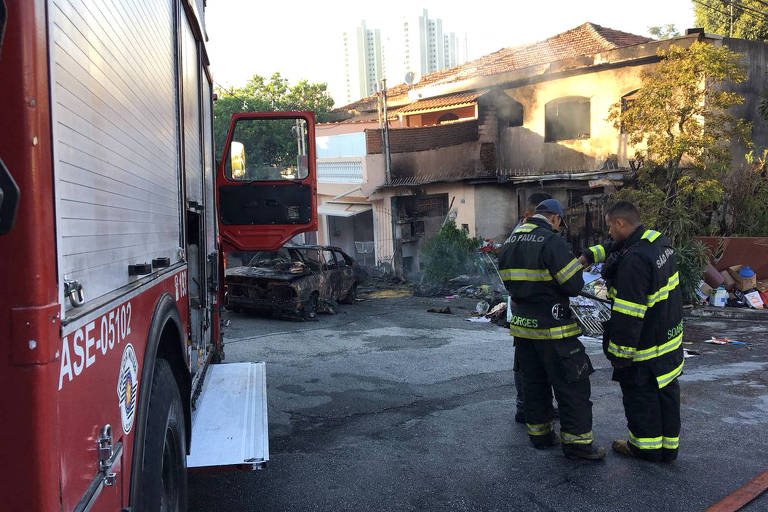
x=406, y=140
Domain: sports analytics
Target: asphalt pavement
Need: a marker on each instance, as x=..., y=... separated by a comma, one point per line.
x=385, y=406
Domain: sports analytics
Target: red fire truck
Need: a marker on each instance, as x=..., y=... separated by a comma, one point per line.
x=114, y=216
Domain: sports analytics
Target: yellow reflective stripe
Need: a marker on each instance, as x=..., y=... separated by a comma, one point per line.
x=598, y=253
x=629, y=308
x=670, y=443
x=621, y=351
x=567, y=438
x=553, y=333
x=660, y=350
x=568, y=271
x=669, y=377
x=524, y=274
x=539, y=429
x=525, y=228
x=611, y=292
x=651, y=235
x=663, y=292
x=645, y=443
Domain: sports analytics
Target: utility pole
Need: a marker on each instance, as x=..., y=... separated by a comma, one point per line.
x=377, y=90
x=387, y=160
x=730, y=29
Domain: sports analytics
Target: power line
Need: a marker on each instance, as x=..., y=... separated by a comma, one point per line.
x=758, y=16
x=761, y=2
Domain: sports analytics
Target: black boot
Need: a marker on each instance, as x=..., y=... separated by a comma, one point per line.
x=543, y=442
x=583, y=451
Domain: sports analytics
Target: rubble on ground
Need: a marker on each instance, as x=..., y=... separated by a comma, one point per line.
x=736, y=286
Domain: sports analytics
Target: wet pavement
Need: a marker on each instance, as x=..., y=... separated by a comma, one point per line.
x=387, y=407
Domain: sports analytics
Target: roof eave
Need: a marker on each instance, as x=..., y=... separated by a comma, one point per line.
x=618, y=57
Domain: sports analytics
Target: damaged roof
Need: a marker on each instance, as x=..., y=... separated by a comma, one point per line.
x=586, y=39
x=452, y=100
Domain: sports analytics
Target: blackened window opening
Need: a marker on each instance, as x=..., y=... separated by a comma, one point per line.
x=567, y=120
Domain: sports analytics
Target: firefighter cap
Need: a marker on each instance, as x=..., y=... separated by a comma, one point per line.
x=551, y=206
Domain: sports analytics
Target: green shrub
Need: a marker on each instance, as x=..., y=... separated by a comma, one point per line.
x=448, y=253
x=691, y=258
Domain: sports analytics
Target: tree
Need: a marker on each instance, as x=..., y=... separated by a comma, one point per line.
x=680, y=125
x=746, y=192
x=745, y=19
x=667, y=31
x=265, y=95
x=685, y=128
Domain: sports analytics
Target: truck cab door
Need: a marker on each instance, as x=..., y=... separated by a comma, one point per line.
x=266, y=184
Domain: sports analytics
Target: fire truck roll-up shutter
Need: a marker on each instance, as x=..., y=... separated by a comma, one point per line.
x=208, y=168
x=190, y=71
x=115, y=142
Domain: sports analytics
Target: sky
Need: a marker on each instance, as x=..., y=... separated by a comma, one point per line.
x=303, y=39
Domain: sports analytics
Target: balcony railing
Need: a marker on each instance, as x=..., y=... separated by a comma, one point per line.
x=340, y=170
x=408, y=140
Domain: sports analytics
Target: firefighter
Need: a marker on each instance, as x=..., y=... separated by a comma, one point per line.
x=530, y=210
x=540, y=274
x=643, y=338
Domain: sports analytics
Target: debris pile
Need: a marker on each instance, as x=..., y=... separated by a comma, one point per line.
x=590, y=313
x=736, y=286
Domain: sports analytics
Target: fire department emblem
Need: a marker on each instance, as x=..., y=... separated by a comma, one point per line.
x=127, y=387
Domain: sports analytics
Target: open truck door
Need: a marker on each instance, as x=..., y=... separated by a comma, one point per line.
x=267, y=181
x=266, y=187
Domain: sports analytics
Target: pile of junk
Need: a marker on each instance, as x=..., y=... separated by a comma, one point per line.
x=737, y=273
x=590, y=308
x=736, y=286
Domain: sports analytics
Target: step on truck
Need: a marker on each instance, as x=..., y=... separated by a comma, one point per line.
x=115, y=214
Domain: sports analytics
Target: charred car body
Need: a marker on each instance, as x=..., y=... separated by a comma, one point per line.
x=295, y=280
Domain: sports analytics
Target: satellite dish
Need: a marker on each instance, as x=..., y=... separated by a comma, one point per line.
x=409, y=76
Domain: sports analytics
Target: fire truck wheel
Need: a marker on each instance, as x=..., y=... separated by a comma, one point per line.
x=164, y=475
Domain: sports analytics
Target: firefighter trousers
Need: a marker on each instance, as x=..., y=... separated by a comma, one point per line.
x=520, y=399
x=653, y=415
x=561, y=365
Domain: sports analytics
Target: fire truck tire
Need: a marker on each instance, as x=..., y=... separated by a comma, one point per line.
x=164, y=475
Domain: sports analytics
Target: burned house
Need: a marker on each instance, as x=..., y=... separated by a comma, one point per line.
x=478, y=139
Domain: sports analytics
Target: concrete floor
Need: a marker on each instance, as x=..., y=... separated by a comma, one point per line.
x=387, y=407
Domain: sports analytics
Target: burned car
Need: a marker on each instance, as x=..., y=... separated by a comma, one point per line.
x=292, y=281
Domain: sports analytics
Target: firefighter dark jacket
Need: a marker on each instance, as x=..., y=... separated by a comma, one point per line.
x=646, y=324
x=540, y=274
